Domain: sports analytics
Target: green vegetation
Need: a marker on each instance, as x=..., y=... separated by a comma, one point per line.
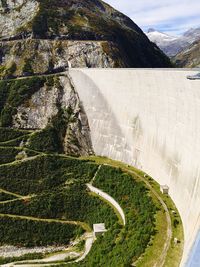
x=4, y=196
x=49, y=17
x=31, y=256
x=27, y=68
x=54, y=193
x=19, y=141
x=51, y=138
x=14, y=93
x=7, y=72
x=43, y=173
x=121, y=248
x=157, y=242
x=7, y=134
x=174, y=254
x=35, y=233
x=57, y=190
x=8, y=154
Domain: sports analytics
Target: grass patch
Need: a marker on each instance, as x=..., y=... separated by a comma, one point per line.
x=149, y=258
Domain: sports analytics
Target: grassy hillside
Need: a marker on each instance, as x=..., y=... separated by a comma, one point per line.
x=45, y=201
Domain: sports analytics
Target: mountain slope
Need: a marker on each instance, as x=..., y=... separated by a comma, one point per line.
x=88, y=20
x=172, y=45
x=190, y=57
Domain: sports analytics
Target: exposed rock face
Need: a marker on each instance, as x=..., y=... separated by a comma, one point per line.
x=87, y=20
x=15, y=15
x=39, y=111
x=45, y=56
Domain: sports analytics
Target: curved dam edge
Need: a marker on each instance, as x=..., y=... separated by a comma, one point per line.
x=149, y=118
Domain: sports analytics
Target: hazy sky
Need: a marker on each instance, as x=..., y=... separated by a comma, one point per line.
x=171, y=16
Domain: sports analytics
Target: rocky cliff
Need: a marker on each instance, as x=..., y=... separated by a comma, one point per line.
x=29, y=57
x=51, y=107
x=97, y=34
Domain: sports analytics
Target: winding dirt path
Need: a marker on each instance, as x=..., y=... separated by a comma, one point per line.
x=13, y=216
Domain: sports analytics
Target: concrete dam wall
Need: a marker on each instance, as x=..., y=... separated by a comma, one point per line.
x=150, y=119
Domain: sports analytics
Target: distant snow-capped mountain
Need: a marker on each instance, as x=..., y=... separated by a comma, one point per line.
x=192, y=34
x=172, y=45
x=160, y=37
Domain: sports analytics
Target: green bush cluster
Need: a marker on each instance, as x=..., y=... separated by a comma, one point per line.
x=29, y=256
x=73, y=203
x=58, y=185
x=8, y=154
x=16, y=142
x=35, y=233
x=122, y=247
x=61, y=193
x=49, y=19
x=4, y=196
x=7, y=134
x=51, y=138
x=44, y=173
x=7, y=72
x=27, y=68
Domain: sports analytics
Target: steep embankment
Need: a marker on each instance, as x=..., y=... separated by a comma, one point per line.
x=151, y=124
x=115, y=40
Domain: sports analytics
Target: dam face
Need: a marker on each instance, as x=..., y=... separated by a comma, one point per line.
x=150, y=119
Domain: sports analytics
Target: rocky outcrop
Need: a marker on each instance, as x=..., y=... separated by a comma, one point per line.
x=40, y=110
x=14, y=15
x=46, y=56
x=37, y=111
x=88, y=20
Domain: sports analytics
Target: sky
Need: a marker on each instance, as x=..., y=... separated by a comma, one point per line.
x=171, y=16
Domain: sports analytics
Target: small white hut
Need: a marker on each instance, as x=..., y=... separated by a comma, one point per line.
x=99, y=229
x=164, y=189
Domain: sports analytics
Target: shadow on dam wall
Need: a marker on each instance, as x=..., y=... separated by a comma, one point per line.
x=149, y=118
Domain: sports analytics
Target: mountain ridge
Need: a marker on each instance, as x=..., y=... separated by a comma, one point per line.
x=81, y=21
x=172, y=45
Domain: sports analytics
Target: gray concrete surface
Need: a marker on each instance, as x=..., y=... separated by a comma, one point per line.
x=110, y=199
x=88, y=245
x=150, y=119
